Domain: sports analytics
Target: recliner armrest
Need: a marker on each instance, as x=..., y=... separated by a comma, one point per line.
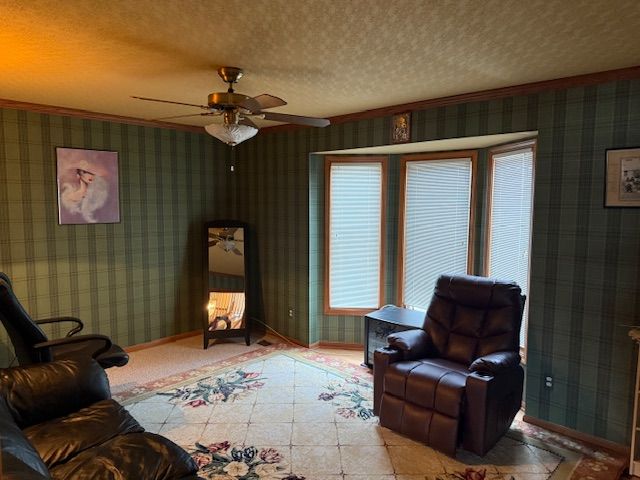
x=496, y=362
x=78, y=339
x=413, y=344
x=79, y=325
x=492, y=401
x=382, y=358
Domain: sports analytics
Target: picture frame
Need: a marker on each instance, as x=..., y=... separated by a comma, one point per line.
x=622, y=178
x=401, y=128
x=88, y=186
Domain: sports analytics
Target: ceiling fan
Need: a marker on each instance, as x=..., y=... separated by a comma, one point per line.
x=225, y=240
x=236, y=110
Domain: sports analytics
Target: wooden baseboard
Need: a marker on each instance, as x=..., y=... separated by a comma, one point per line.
x=281, y=337
x=297, y=342
x=343, y=346
x=162, y=341
x=583, y=437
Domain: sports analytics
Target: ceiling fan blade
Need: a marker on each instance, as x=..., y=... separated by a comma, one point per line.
x=269, y=101
x=170, y=101
x=297, y=119
x=190, y=115
x=250, y=104
x=247, y=121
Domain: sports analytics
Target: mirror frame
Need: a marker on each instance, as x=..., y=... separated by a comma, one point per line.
x=248, y=281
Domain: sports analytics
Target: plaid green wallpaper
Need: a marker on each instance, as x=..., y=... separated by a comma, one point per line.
x=137, y=280
x=585, y=270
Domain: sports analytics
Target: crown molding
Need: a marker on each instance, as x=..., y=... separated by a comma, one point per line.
x=629, y=73
x=86, y=114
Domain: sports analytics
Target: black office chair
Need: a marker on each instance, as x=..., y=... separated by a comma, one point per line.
x=31, y=345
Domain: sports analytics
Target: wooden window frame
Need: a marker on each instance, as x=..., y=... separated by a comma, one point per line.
x=500, y=149
x=508, y=148
x=329, y=161
x=471, y=154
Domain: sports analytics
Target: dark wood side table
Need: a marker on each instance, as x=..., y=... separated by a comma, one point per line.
x=387, y=320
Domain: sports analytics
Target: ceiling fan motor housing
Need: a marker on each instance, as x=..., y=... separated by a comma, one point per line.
x=223, y=100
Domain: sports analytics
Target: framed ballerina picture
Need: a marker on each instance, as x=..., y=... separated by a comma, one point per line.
x=87, y=186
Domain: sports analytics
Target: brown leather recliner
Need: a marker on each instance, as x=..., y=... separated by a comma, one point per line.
x=458, y=379
x=32, y=345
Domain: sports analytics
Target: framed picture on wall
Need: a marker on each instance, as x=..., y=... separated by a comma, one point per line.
x=622, y=178
x=401, y=128
x=88, y=190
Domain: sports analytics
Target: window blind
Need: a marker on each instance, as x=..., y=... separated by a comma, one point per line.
x=355, y=235
x=436, y=225
x=510, y=229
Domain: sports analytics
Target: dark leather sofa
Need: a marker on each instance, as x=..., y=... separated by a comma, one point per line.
x=58, y=421
x=458, y=379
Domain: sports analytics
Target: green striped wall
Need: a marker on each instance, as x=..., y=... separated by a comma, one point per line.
x=585, y=270
x=137, y=280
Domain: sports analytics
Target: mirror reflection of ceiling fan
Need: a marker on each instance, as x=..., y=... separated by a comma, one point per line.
x=236, y=110
x=225, y=240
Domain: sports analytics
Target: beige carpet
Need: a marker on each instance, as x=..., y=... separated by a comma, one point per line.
x=162, y=361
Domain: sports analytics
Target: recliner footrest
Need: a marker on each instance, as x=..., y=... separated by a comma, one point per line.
x=424, y=402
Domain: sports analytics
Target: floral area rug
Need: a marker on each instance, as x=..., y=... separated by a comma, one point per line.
x=284, y=413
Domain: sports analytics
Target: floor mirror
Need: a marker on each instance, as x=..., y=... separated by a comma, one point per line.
x=229, y=280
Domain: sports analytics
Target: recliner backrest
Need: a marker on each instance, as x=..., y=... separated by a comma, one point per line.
x=470, y=317
x=22, y=330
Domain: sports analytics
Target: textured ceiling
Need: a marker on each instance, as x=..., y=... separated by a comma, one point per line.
x=324, y=57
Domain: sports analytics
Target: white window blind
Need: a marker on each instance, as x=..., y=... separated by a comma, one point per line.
x=510, y=229
x=355, y=235
x=436, y=225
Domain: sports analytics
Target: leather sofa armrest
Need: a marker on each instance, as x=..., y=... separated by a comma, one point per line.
x=494, y=363
x=15, y=469
x=43, y=391
x=413, y=344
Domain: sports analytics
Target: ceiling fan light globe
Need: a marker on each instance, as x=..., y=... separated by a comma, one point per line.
x=231, y=134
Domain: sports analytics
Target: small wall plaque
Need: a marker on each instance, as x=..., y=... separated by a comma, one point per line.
x=401, y=128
